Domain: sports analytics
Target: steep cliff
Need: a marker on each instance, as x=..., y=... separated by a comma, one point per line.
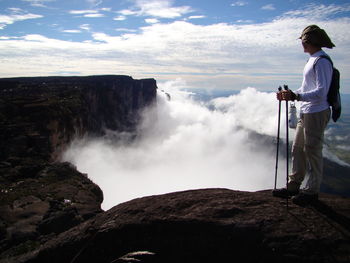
x=39, y=197
x=39, y=116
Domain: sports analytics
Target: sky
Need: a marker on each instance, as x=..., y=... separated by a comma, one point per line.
x=223, y=44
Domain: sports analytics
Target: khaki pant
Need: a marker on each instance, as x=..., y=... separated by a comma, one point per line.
x=307, y=151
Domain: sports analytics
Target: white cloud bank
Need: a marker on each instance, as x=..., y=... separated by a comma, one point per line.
x=184, y=145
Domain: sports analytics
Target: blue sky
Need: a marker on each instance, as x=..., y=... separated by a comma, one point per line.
x=208, y=44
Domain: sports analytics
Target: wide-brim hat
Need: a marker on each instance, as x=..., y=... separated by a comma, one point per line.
x=316, y=36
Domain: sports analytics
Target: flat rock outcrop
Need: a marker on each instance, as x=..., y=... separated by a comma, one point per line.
x=208, y=225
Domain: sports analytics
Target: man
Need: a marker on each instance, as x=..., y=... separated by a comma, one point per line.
x=314, y=116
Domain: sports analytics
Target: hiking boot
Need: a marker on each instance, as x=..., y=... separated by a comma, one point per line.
x=304, y=199
x=284, y=193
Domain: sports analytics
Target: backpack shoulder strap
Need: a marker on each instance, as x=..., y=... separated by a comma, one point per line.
x=323, y=56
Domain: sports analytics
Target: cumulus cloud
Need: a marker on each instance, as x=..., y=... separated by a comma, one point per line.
x=184, y=144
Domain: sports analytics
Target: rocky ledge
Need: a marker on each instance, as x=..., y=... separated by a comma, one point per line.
x=208, y=225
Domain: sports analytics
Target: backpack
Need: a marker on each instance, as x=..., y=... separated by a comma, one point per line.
x=333, y=96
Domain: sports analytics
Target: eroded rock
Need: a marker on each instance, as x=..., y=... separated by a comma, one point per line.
x=209, y=225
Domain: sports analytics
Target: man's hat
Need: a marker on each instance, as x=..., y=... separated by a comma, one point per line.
x=316, y=36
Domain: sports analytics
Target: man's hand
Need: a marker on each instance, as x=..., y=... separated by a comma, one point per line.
x=286, y=95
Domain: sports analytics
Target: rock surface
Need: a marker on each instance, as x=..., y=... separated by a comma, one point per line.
x=208, y=225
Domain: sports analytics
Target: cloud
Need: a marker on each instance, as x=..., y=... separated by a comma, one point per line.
x=94, y=15
x=127, y=12
x=121, y=29
x=239, y=3
x=119, y=18
x=87, y=13
x=38, y=3
x=73, y=31
x=221, y=55
x=319, y=11
x=156, y=8
x=183, y=144
x=83, y=12
x=269, y=7
x=17, y=14
x=94, y=2
x=151, y=20
x=85, y=27
x=196, y=17
x=244, y=21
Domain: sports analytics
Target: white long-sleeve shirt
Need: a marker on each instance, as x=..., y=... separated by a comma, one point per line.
x=316, y=82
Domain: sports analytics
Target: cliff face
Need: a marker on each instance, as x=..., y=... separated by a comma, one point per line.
x=39, y=116
x=40, y=198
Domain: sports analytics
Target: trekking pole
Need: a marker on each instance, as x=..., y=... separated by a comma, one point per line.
x=287, y=143
x=278, y=137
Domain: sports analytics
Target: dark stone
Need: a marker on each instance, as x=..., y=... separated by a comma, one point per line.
x=211, y=225
x=41, y=115
x=60, y=217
